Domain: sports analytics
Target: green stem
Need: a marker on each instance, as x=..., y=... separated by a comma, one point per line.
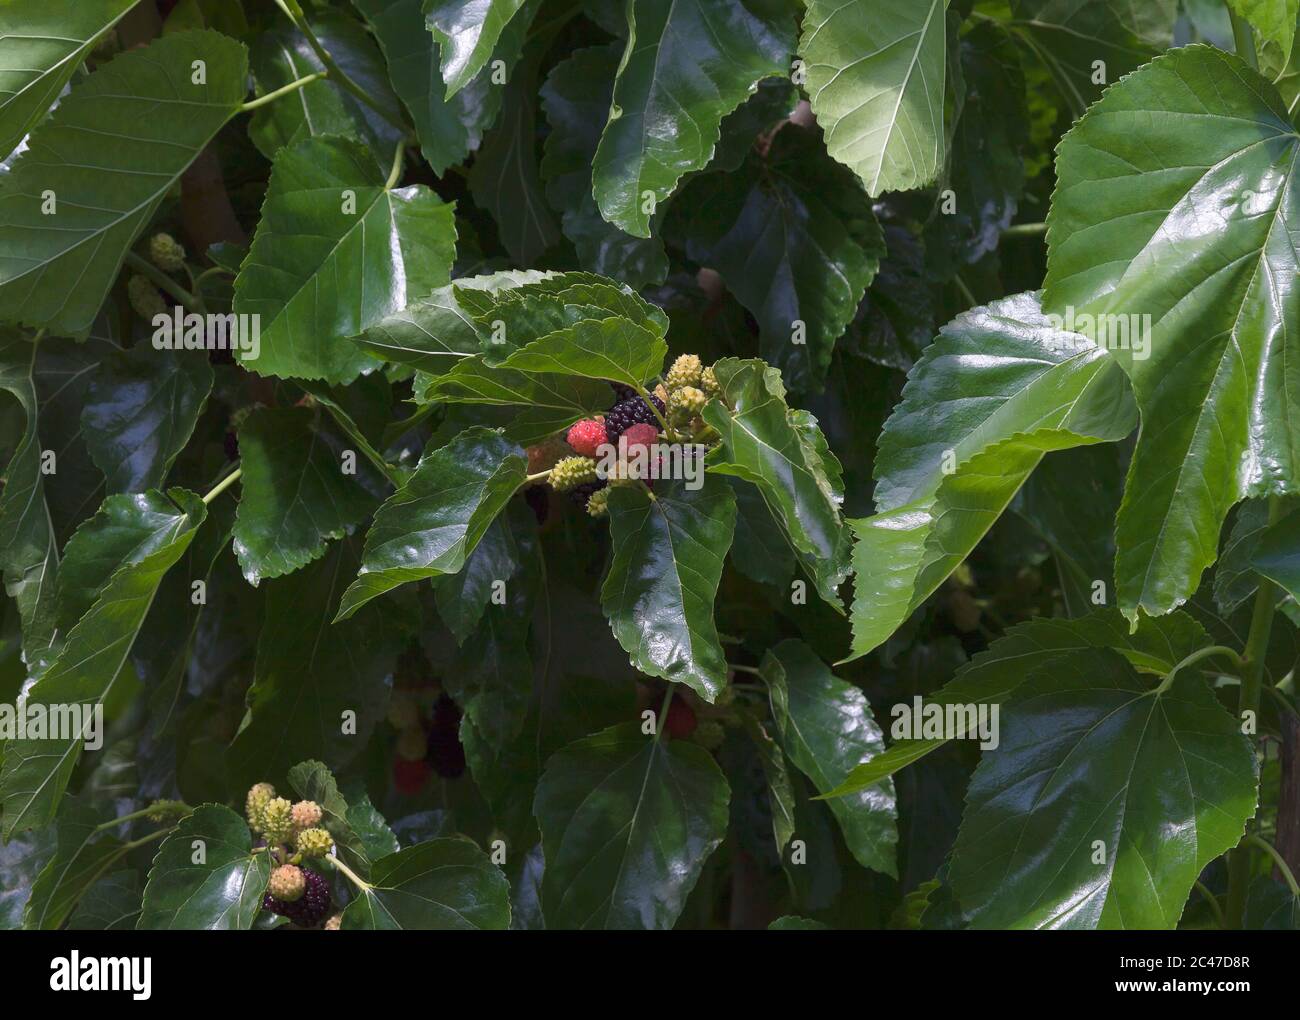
x=143, y=812
x=663, y=713
x=1211, y=900
x=283, y=90
x=540, y=476
x=1025, y=230
x=1195, y=657
x=1261, y=626
x=1243, y=38
x=641, y=392
x=744, y=669
x=399, y=161
x=336, y=73
x=966, y=294
x=164, y=282
x=356, y=879
x=1287, y=874
x=223, y=485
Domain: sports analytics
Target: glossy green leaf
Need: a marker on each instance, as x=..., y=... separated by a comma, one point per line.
x=93, y=657
x=875, y=73
x=223, y=891
x=783, y=453
x=1276, y=554
x=430, y=526
x=1236, y=575
x=794, y=238
x=780, y=794
x=669, y=547
x=335, y=251
x=295, y=496
x=615, y=809
x=1275, y=23
x=994, y=675
x=1092, y=753
x=42, y=47
x=468, y=32
x=1214, y=297
x=84, y=853
x=111, y=904
x=441, y=885
x=141, y=409
x=576, y=98
x=56, y=268
x=686, y=65
x=614, y=349
x=826, y=728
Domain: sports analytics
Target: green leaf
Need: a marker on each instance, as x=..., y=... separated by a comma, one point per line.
x=42, y=48
x=1215, y=301
x=448, y=129
x=335, y=251
x=780, y=794
x=84, y=852
x=1236, y=575
x=615, y=349
x=223, y=892
x=686, y=65
x=1000, y=387
x=794, y=238
x=295, y=496
x=615, y=807
x=992, y=676
x=1277, y=552
x=22, y=859
x=312, y=780
x=441, y=885
x=1271, y=906
x=92, y=659
x=876, y=72
x=141, y=409
x=310, y=674
x=111, y=904
x=576, y=98
x=1275, y=23
x=790, y=922
x=669, y=547
x=461, y=598
x=284, y=55
x=430, y=526
x=57, y=268
x=1091, y=751
x=783, y=453
x=826, y=728
x=468, y=33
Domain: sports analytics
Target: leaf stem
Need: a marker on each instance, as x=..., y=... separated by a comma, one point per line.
x=399, y=161
x=644, y=395
x=1243, y=38
x=663, y=713
x=223, y=485
x=1197, y=656
x=283, y=90
x=1261, y=626
x=356, y=879
x=164, y=282
x=1211, y=900
x=966, y=294
x=143, y=812
x=744, y=669
x=1025, y=230
x=336, y=74
x=540, y=476
x=1287, y=874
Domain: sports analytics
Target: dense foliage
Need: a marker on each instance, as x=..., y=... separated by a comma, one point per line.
x=708, y=463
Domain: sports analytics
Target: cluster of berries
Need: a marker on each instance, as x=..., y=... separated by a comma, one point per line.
x=293, y=834
x=633, y=423
x=428, y=736
x=167, y=254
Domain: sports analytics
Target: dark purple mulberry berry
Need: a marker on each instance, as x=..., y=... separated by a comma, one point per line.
x=623, y=391
x=446, y=754
x=309, y=911
x=581, y=494
x=538, y=499
x=626, y=413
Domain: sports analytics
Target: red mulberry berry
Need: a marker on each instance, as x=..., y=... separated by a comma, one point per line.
x=587, y=436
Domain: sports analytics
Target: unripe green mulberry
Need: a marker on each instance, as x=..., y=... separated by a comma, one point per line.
x=570, y=472
x=314, y=842
x=288, y=883
x=165, y=810
x=255, y=803
x=166, y=252
x=709, y=383
x=277, y=821
x=145, y=298
x=305, y=814
x=686, y=371
x=687, y=402
x=598, y=503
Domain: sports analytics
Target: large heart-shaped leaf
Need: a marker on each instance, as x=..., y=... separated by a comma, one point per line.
x=42, y=46
x=686, y=65
x=618, y=806
x=994, y=675
x=468, y=32
x=1001, y=386
x=669, y=546
x=336, y=250
x=85, y=672
x=1104, y=800
x=206, y=875
x=1216, y=300
x=441, y=885
x=794, y=238
x=295, y=495
x=430, y=525
x=825, y=727
x=140, y=413
x=615, y=349
x=56, y=267
x=875, y=75
x=783, y=453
